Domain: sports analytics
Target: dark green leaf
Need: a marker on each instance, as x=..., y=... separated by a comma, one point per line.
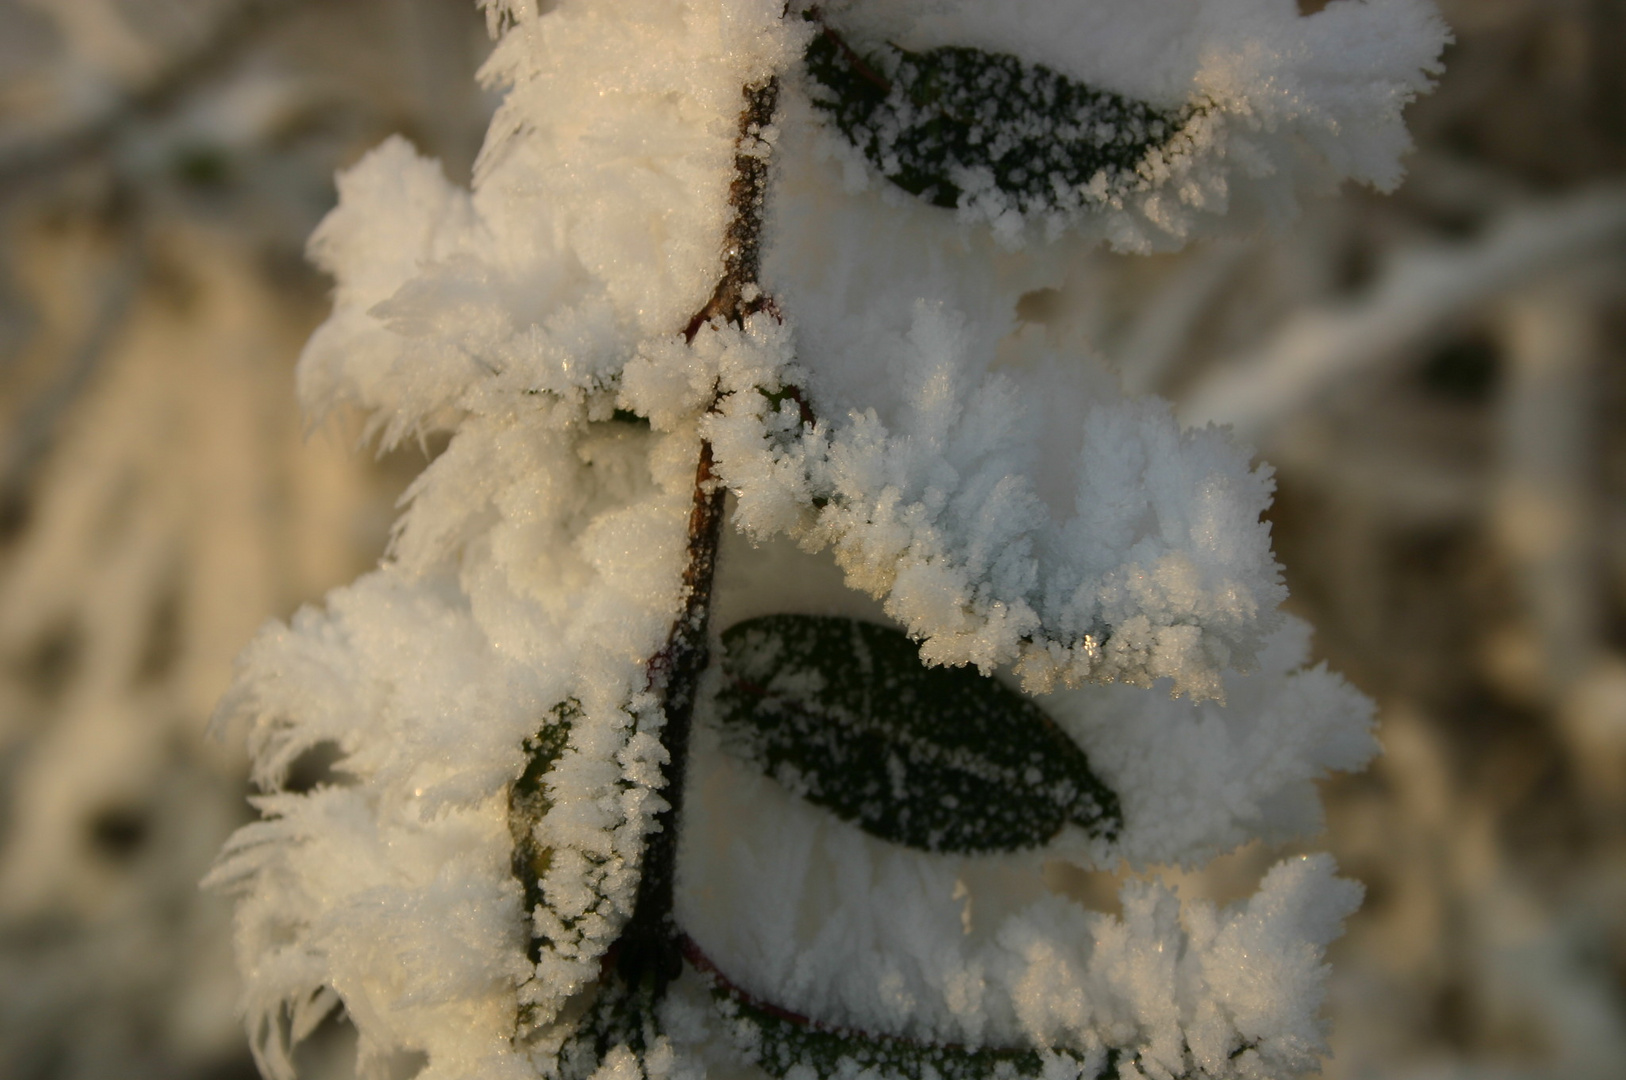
x=779, y=1041
x=615, y=1013
x=528, y=802
x=934, y=122
x=943, y=759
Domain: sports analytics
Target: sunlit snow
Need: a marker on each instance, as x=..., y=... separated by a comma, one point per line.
x=1009, y=507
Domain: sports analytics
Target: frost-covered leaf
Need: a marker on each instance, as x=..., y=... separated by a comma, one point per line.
x=944, y=759
x=528, y=801
x=952, y=121
x=783, y=1043
x=611, y=1015
x=618, y=1019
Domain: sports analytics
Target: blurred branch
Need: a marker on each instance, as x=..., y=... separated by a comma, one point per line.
x=1155, y=342
x=215, y=51
x=1422, y=291
x=1544, y=509
x=30, y=440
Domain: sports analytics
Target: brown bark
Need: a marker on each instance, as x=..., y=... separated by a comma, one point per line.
x=649, y=946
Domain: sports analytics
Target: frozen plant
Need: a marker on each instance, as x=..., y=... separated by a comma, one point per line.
x=781, y=605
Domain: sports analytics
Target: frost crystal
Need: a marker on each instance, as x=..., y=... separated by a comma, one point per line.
x=506, y=692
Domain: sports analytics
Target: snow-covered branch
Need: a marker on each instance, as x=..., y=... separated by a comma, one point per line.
x=1050, y=627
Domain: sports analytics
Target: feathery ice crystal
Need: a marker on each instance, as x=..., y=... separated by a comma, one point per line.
x=778, y=609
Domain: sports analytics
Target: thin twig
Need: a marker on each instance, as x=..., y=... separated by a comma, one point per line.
x=650, y=947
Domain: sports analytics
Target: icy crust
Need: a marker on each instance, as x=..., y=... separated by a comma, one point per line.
x=389, y=890
x=597, y=203
x=534, y=567
x=1275, y=105
x=1197, y=779
x=1031, y=522
x=805, y=911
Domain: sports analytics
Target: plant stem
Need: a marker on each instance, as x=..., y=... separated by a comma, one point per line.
x=650, y=947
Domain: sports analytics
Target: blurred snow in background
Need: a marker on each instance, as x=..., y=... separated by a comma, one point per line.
x=161, y=163
x=1435, y=376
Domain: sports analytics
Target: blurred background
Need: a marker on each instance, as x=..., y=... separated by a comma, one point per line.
x=1436, y=376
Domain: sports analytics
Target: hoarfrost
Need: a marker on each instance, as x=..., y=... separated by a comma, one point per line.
x=1009, y=507
x=1147, y=559
x=1277, y=106
x=815, y=915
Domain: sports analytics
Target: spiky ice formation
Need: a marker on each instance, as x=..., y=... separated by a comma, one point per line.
x=1007, y=506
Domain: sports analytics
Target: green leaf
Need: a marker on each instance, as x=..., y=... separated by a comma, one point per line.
x=527, y=803
x=616, y=1014
x=944, y=759
x=780, y=1041
x=939, y=121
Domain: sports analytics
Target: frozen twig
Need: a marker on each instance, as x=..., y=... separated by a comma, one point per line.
x=649, y=941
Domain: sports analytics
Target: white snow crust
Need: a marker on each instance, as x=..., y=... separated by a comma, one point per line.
x=1007, y=506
